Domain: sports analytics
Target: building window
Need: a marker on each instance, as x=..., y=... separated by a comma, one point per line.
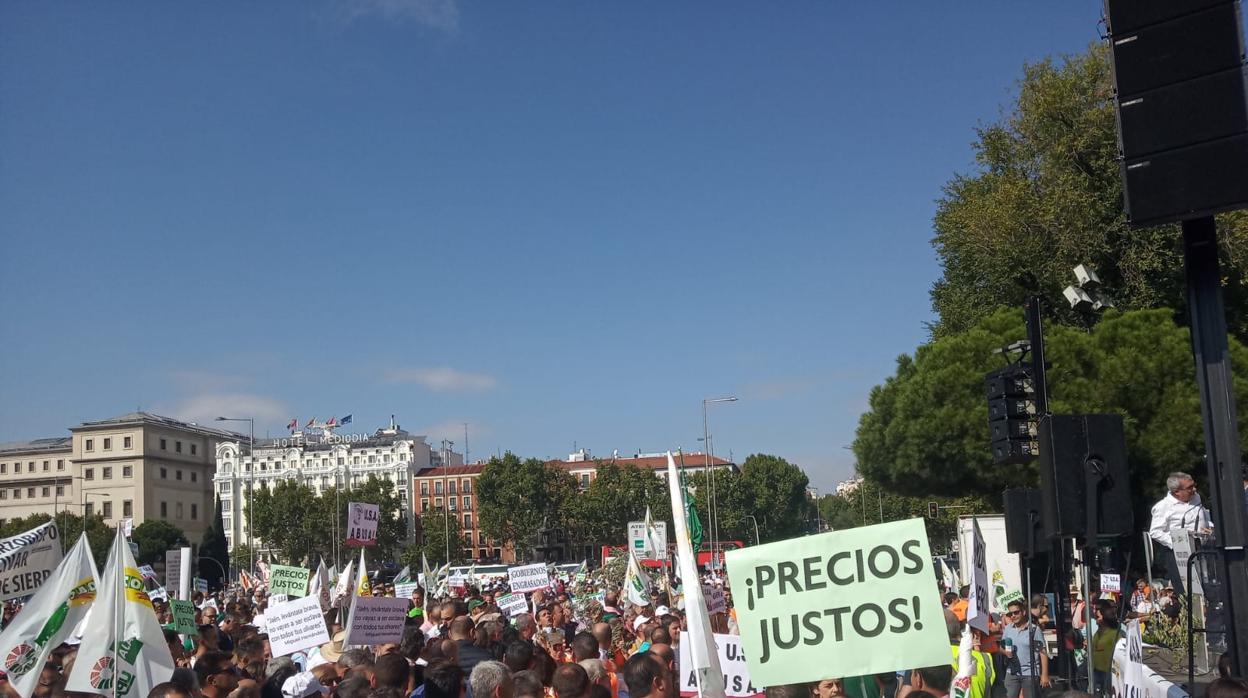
x=60, y=465
x=90, y=444
x=17, y=494
x=127, y=508
x=30, y=467
x=194, y=448
x=60, y=490
x=179, y=510
x=466, y=487
x=194, y=512
x=437, y=487
x=108, y=510
x=451, y=502
x=45, y=491
x=88, y=473
x=164, y=509
x=342, y=461
x=4, y=468
x=177, y=474
x=424, y=487
x=164, y=474
x=450, y=487
x=108, y=446
x=194, y=476
x=437, y=502
x=467, y=521
x=585, y=480
x=108, y=472
x=45, y=466
x=89, y=509
x=177, y=447
x=127, y=471
x=372, y=460
x=225, y=506
x=225, y=522
x=125, y=442
x=467, y=503
x=225, y=487
x=30, y=493
x=163, y=446
x=4, y=494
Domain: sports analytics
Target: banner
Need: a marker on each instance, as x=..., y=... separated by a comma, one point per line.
x=48, y=619
x=404, y=590
x=123, y=651
x=1111, y=583
x=296, y=625
x=377, y=620
x=183, y=617
x=27, y=559
x=147, y=572
x=528, y=577
x=291, y=581
x=731, y=661
x=512, y=604
x=716, y=599
x=846, y=603
x=636, y=582
x=977, y=612
x=173, y=569
x=201, y=585
x=362, y=523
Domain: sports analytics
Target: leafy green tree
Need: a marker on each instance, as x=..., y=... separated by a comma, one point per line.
x=291, y=518
x=617, y=495
x=777, y=491
x=519, y=498
x=154, y=537
x=733, y=504
x=1046, y=194
x=870, y=503
x=926, y=432
x=432, y=541
x=240, y=557
x=213, y=546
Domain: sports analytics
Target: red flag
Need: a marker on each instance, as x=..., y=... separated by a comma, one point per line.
x=332, y=421
x=293, y=423
x=310, y=423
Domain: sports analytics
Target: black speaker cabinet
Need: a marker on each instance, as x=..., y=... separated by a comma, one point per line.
x=1070, y=445
x=1023, y=517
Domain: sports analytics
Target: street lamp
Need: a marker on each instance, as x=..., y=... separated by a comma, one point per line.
x=751, y=518
x=707, y=455
x=251, y=476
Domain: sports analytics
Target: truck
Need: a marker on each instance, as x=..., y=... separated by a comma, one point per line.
x=1004, y=571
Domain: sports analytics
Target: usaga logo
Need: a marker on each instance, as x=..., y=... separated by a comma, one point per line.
x=21, y=659
x=102, y=673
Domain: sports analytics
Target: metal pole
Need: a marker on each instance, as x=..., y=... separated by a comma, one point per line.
x=251, y=487
x=710, y=478
x=1217, y=410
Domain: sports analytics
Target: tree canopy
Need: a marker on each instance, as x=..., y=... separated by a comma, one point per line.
x=214, y=547
x=617, y=495
x=155, y=537
x=432, y=541
x=519, y=498
x=1045, y=196
x=926, y=432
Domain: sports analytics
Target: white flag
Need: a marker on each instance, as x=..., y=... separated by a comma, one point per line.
x=123, y=650
x=652, y=538
x=48, y=618
x=343, y=589
x=636, y=583
x=701, y=640
x=319, y=585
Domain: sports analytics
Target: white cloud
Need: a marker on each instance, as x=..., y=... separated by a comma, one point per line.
x=443, y=379
x=438, y=14
x=205, y=408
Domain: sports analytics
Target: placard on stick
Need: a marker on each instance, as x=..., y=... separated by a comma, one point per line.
x=846, y=603
x=296, y=625
x=528, y=577
x=377, y=620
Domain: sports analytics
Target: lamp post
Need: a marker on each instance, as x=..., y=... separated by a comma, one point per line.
x=251, y=478
x=751, y=518
x=707, y=455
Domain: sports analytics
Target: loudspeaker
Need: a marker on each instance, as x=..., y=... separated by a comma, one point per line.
x=1070, y=444
x=1023, y=518
x=1182, y=107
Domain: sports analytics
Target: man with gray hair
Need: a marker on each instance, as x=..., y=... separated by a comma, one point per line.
x=490, y=679
x=526, y=625
x=1179, y=509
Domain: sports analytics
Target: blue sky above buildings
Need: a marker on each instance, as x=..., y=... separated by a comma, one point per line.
x=562, y=223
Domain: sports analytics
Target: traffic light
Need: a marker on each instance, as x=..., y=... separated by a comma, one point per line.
x=1012, y=414
x=933, y=510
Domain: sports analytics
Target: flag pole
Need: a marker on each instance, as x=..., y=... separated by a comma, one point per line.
x=118, y=608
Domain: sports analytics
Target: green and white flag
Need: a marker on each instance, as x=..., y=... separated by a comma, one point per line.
x=636, y=583
x=404, y=575
x=48, y=618
x=123, y=651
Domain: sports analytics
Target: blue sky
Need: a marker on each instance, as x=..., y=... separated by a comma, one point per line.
x=563, y=223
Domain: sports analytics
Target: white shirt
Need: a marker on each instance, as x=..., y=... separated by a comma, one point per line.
x=1170, y=514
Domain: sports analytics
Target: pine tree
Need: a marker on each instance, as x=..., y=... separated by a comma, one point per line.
x=214, y=546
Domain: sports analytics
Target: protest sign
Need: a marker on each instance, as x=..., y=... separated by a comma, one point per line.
x=27, y=559
x=528, y=577
x=183, y=617
x=158, y=594
x=291, y=581
x=1111, y=582
x=458, y=582
x=1008, y=596
x=404, y=590
x=977, y=612
x=846, y=603
x=296, y=626
x=377, y=620
x=716, y=600
x=731, y=660
x=201, y=585
x=127, y=527
x=362, y=523
x=173, y=569
x=147, y=572
x=275, y=599
x=512, y=604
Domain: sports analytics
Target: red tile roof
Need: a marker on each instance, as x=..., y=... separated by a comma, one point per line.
x=652, y=462
x=452, y=471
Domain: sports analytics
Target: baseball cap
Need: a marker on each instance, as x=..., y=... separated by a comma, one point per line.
x=302, y=685
x=640, y=621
